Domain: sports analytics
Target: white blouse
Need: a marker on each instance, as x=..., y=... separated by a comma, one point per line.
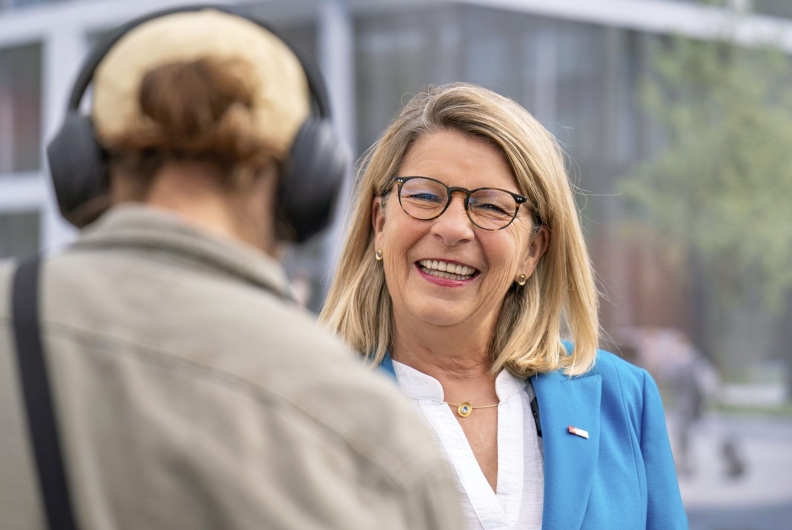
x=520, y=489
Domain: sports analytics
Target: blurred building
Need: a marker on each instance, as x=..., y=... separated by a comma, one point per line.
x=575, y=64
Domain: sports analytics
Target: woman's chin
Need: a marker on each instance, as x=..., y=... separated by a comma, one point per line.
x=442, y=314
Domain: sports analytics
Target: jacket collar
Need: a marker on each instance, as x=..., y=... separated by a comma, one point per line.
x=156, y=230
x=569, y=460
x=386, y=366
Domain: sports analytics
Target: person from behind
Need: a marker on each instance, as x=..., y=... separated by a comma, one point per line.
x=463, y=267
x=188, y=390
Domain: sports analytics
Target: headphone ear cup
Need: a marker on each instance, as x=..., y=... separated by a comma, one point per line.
x=312, y=179
x=77, y=169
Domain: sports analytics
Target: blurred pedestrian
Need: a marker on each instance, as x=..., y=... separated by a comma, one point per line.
x=188, y=390
x=689, y=394
x=464, y=257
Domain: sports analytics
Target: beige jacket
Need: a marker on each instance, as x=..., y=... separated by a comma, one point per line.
x=191, y=393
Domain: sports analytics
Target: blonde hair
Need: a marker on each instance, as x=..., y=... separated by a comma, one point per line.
x=196, y=110
x=239, y=69
x=561, y=291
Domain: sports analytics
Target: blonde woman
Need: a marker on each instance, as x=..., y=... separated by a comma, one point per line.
x=463, y=266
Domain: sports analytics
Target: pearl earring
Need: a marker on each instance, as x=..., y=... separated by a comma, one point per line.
x=378, y=254
x=522, y=280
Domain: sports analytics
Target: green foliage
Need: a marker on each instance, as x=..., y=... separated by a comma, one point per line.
x=721, y=185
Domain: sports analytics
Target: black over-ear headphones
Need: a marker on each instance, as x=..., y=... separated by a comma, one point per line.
x=309, y=184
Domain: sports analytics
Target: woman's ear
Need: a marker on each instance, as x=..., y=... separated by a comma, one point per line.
x=537, y=246
x=377, y=220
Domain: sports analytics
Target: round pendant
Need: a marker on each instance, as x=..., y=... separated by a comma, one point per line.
x=465, y=409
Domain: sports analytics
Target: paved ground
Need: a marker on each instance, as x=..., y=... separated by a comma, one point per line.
x=761, y=499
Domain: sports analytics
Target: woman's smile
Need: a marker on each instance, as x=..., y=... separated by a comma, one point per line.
x=446, y=273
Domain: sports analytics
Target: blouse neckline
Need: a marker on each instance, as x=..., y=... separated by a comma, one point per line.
x=508, y=506
x=418, y=385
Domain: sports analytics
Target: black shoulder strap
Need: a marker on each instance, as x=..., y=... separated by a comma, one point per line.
x=38, y=398
x=535, y=412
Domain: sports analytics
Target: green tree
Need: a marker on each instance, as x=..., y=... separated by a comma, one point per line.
x=720, y=185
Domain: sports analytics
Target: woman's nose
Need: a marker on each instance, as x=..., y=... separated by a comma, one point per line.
x=454, y=225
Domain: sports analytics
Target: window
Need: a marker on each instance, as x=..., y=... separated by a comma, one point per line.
x=24, y=3
x=301, y=38
x=776, y=8
x=577, y=79
x=20, y=109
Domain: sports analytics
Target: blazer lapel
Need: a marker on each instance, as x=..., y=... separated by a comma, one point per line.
x=569, y=459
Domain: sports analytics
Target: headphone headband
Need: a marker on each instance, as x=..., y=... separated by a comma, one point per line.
x=316, y=84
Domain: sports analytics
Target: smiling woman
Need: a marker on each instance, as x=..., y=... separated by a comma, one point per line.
x=463, y=268
x=504, y=148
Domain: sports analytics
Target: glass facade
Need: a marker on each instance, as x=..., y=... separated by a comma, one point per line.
x=776, y=8
x=9, y=4
x=20, y=108
x=301, y=38
x=579, y=80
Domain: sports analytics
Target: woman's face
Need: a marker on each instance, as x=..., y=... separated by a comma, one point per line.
x=415, y=252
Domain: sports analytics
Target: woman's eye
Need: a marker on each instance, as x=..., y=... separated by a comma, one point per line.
x=425, y=197
x=492, y=208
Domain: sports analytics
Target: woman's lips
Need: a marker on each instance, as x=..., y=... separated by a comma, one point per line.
x=451, y=267
x=430, y=271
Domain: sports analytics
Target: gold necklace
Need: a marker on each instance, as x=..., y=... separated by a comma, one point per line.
x=465, y=409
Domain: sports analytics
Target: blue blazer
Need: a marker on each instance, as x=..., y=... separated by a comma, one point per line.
x=622, y=476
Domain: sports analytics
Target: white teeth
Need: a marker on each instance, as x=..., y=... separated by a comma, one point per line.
x=442, y=269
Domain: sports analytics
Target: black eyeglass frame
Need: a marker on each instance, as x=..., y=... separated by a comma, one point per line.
x=519, y=199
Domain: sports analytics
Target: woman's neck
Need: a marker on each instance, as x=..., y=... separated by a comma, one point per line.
x=457, y=357
x=199, y=194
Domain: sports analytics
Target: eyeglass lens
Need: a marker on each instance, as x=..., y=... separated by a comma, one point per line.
x=490, y=209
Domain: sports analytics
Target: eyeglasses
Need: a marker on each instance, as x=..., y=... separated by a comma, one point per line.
x=425, y=198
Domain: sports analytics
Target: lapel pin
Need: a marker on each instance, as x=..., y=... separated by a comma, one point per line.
x=578, y=432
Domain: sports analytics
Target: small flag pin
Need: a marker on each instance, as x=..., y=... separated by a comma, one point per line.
x=578, y=432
